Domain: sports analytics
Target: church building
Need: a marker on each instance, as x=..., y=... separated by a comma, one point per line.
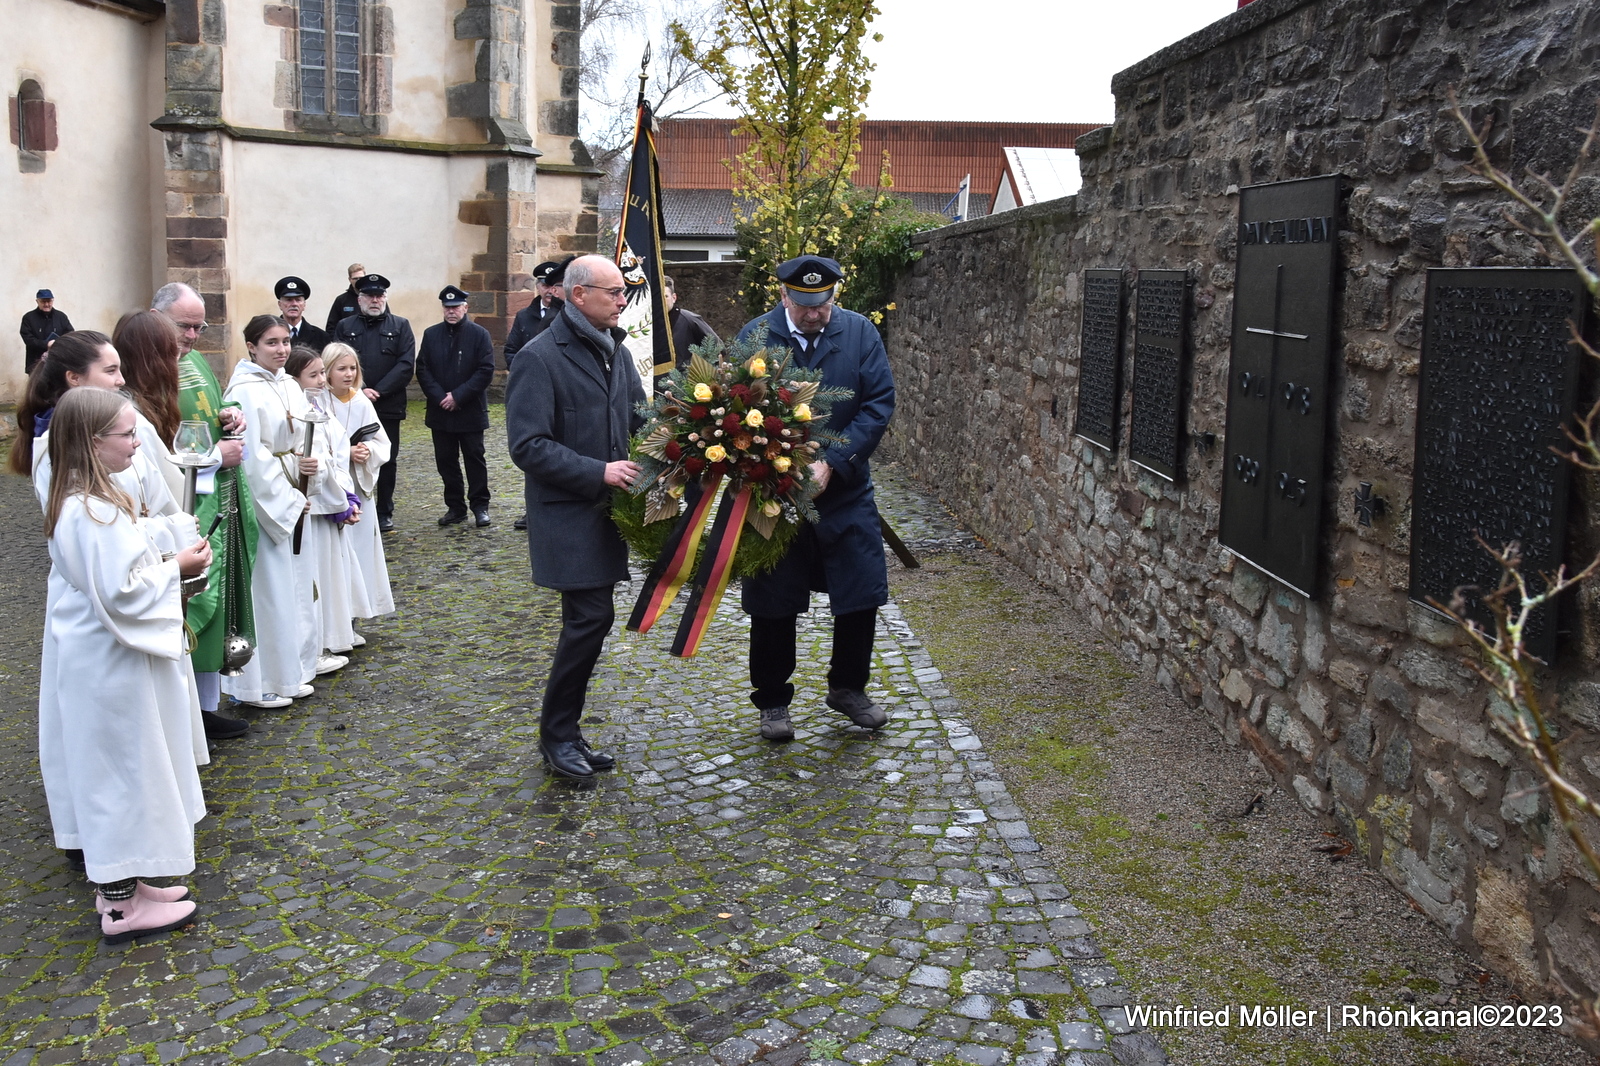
x=227, y=143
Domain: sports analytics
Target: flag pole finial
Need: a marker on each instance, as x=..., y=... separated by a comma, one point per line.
x=644, y=71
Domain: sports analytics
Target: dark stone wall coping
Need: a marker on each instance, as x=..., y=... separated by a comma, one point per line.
x=1064, y=209
x=1243, y=21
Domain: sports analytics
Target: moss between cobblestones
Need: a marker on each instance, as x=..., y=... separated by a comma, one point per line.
x=1138, y=801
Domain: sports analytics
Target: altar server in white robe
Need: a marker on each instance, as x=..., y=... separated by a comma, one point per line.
x=370, y=592
x=117, y=703
x=78, y=359
x=288, y=638
x=334, y=509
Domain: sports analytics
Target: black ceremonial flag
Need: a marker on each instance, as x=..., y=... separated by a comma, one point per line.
x=639, y=241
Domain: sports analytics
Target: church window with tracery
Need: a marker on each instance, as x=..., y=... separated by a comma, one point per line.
x=330, y=57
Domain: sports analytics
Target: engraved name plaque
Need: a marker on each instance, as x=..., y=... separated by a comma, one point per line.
x=1161, y=322
x=1278, y=377
x=1499, y=376
x=1100, y=369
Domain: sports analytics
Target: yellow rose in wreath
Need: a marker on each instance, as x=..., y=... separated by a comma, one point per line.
x=716, y=453
x=702, y=392
x=781, y=464
x=758, y=367
x=772, y=508
x=754, y=419
x=802, y=412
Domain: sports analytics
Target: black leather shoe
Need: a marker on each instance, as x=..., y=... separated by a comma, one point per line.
x=856, y=706
x=601, y=761
x=521, y=524
x=220, y=728
x=385, y=524
x=481, y=517
x=451, y=518
x=565, y=759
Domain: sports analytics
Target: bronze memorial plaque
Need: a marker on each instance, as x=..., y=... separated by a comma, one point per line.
x=1278, y=378
x=1499, y=375
x=1161, y=324
x=1100, y=367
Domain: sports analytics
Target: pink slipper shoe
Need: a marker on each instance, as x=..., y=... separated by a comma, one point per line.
x=125, y=919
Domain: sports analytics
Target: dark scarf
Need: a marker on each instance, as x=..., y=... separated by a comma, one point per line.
x=604, y=345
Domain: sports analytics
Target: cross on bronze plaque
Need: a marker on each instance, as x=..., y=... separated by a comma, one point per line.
x=1100, y=364
x=1278, y=377
x=1499, y=376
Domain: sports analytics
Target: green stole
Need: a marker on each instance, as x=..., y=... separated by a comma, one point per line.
x=200, y=400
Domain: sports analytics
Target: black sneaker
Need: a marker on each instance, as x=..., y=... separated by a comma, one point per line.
x=220, y=728
x=854, y=705
x=775, y=724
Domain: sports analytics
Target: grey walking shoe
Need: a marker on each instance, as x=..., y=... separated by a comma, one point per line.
x=854, y=704
x=775, y=724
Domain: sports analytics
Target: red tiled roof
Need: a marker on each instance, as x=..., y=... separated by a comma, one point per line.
x=923, y=156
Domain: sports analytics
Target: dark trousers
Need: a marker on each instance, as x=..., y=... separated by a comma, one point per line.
x=586, y=618
x=391, y=427
x=772, y=655
x=450, y=452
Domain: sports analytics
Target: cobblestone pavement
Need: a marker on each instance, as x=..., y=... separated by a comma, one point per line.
x=387, y=876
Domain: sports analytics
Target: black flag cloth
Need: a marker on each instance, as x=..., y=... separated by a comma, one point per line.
x=639, y=242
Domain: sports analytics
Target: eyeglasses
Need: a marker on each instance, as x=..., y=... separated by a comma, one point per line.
x=129, y=435
x=200, y=328
x=615, y=294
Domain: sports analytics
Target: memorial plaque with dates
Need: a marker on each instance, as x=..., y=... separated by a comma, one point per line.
x=1161, y=322
x=1499, y=375
x=1100, y=368
x=1283, y=338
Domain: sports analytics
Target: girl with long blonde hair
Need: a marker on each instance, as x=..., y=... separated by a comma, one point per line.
x=118, y=712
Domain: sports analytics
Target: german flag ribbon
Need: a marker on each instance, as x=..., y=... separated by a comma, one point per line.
x=673, y=566
x=715, y=571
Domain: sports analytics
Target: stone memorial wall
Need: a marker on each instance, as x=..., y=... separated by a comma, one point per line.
x=1353, y=695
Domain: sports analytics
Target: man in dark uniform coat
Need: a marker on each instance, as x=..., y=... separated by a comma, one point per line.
x=345, y=304
x=292, y=293
x=41, y=326
x=537, y=316
x=842, y=554
x=688, y=328
x=388, y=353
x=454, y=367
x=569, y=417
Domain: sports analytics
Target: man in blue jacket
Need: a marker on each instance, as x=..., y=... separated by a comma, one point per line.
x=842, y=554
x=454, y=367
x=570, y=414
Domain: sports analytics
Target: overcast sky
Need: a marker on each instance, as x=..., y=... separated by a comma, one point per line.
x=1019, y=60
x=986, y=60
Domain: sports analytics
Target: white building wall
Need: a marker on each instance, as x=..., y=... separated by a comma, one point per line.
x=312, y=211
x=80, y=228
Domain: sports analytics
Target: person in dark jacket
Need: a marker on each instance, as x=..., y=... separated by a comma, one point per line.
x=454, y=367
x=292, y=293
x=688, y=328
x=842, y=554
x=41, y=326
x=345, y=304
x=570, y=413
x=388, y=353
x=537, y=316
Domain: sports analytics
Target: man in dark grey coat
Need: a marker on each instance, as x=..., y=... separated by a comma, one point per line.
x=570, y=412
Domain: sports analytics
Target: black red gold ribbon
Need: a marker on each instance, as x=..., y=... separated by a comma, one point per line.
x=673, y=566
x=711, y=581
